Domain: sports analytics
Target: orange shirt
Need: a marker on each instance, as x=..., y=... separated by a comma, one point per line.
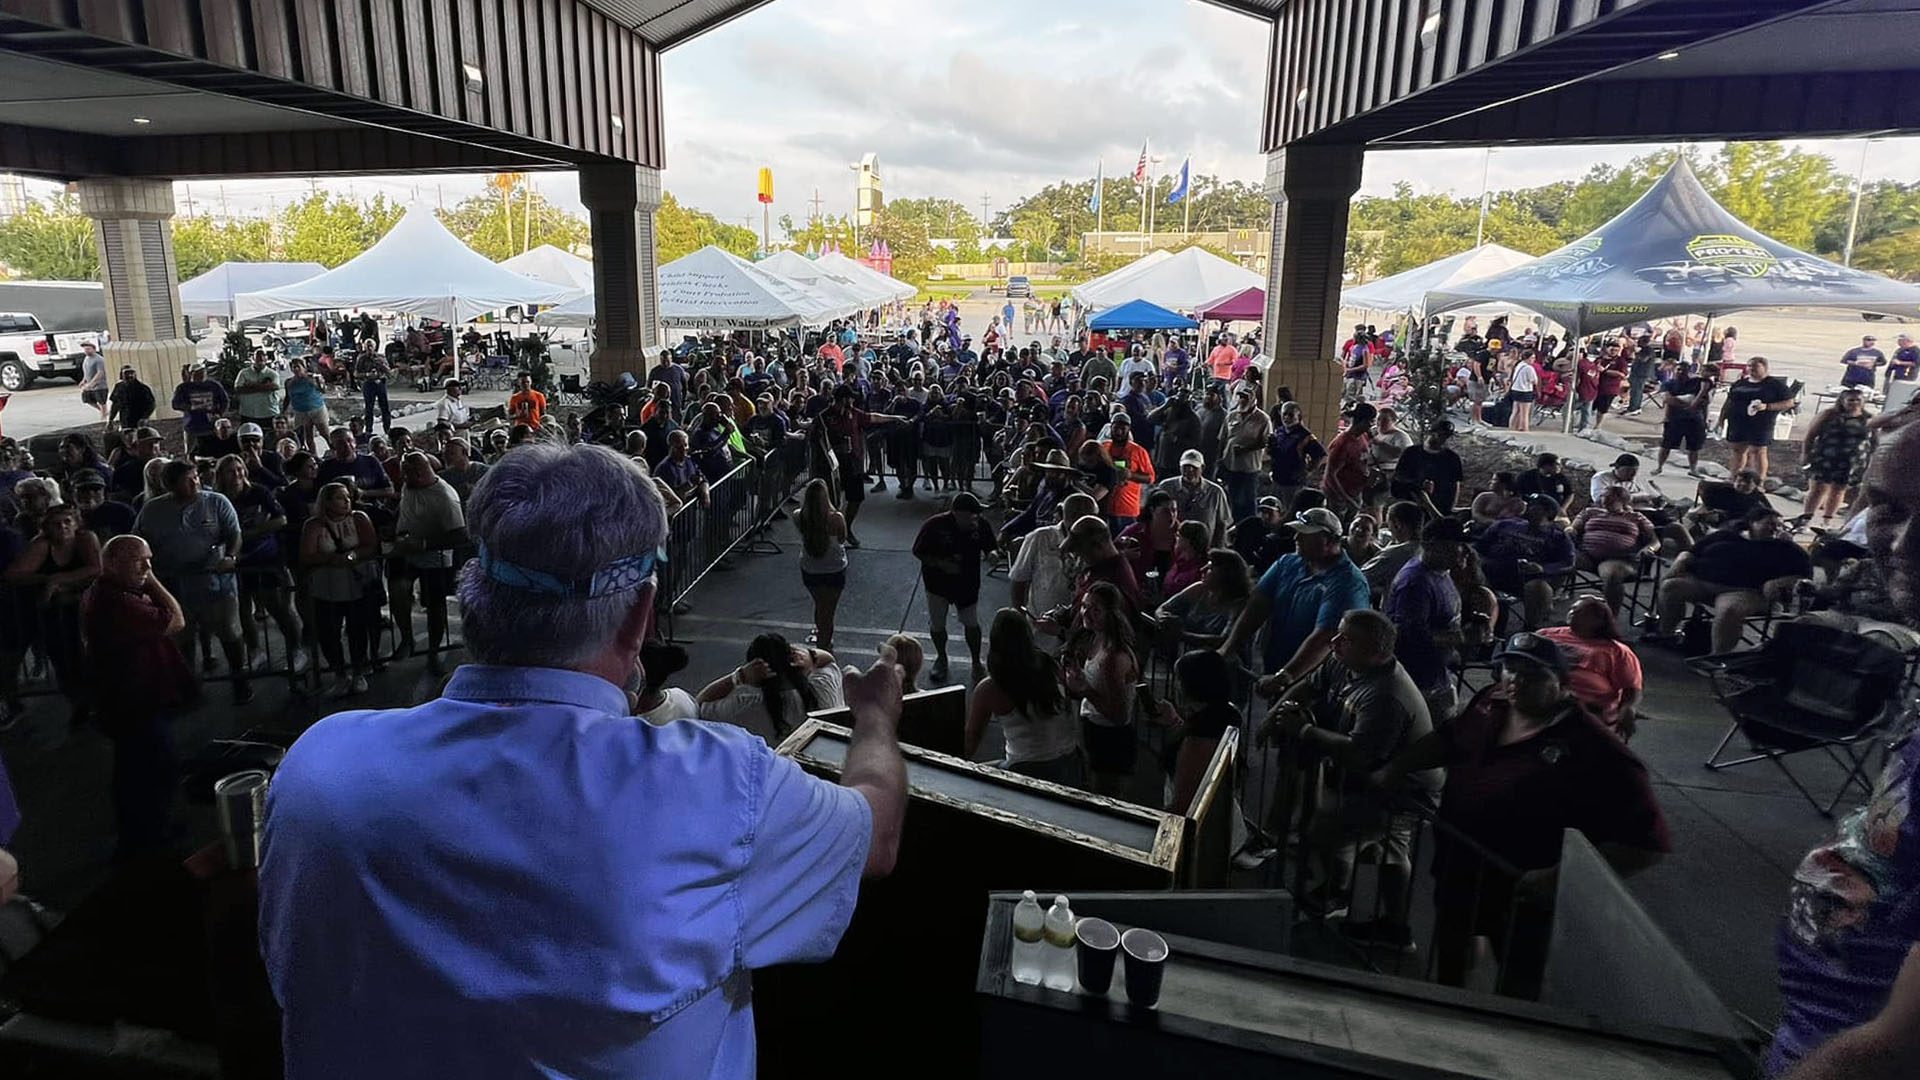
x=1126, y=495
x=528, y=407
x=1222, y=359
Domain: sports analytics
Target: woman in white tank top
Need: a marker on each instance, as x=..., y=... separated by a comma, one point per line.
x=1023, y=694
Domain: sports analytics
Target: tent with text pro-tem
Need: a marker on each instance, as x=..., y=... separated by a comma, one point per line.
x=1140, y=315
x=1182, y=282
x=210, y=296
x=418, y=268
x=553, y=266
x=710, y=289
x=856, y=271
x=1407, y=290
x=1676, y=251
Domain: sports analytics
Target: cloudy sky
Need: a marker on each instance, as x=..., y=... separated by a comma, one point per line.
x=991, y=97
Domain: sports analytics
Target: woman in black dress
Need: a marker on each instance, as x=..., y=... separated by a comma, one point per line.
x=1748, y=414
x=1833, y=453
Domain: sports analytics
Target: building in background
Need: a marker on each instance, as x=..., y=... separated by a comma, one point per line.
x=868, y=200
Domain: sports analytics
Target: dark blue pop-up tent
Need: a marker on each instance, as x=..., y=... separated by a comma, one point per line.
x=1675, y=251
x=1141, y=315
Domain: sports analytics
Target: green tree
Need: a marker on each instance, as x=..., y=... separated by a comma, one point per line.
x=200, y=243
x=1896, y=255
x=942, y=218
x=331, y=229
x=680, y=230
x=1608, y=189
x=1887, y=207
x=1786, y=194
x=483, y=225
x=50, y=240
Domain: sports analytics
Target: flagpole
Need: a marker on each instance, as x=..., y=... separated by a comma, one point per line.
x=1152, y=210
x=1146, y=158
x=1186, y=205
x=1100, y=198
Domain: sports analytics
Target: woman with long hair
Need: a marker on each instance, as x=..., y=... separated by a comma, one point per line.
x=775, y=689
x=823, y=556
x=1149, y=542
x=1189, y=558
x=341, y=552
x=1834, y=453
x=54, y=570
x=1100, y=669
x=1023, y=694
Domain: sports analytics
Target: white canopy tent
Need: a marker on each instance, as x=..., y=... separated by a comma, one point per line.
x=419, y=268
x=211, y=294
x=1133, y=269
x=856, y=271
x=710, y=289
x=1407, y=290
x=1183, y=281
x=553, y=266
x=809, y=274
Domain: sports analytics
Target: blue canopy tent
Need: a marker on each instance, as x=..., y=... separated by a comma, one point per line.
x=1141, y=315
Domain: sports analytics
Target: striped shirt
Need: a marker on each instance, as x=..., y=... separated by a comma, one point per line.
x=1604, y=534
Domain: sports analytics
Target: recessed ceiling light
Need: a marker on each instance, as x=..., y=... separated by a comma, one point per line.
x=473, y=76
x=618, y=124
x=141, y=120
x=1430, y=30
x=1300, y=99
x=1668, y=56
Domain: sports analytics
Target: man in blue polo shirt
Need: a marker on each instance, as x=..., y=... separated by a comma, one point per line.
x=1301, y=598
x=521, y=879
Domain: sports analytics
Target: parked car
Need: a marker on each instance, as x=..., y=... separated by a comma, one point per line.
x=1018, y=286
x=28, y=352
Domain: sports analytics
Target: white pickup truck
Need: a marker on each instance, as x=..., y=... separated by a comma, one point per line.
x=29, y=352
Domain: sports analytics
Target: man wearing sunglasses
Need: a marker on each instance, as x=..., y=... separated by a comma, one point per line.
x=1525, y=761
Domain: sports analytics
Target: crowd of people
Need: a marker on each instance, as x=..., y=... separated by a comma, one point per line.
x=1158, y=508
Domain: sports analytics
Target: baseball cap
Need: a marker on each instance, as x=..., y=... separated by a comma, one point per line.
x=251, y=430
x=1442, y=429
x=1445, y=530
x=1535, y=649
x=1626, y=459
x=1317, y=520
x=965, y=503
x=1268, y=503
x=1544, y=502
x=1364, y=413
x=89, y=478
x=146, y=434
x=1193, y=457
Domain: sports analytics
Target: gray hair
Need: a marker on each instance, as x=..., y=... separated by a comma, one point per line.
x=40, y=484
x=567, y=511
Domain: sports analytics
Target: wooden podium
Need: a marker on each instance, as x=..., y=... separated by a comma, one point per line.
x=908, y=963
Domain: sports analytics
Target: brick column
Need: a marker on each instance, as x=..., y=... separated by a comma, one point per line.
x=132, y=224
x=621, y=200
x=1311, y=188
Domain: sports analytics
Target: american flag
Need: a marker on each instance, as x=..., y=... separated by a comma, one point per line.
x=1140, y=170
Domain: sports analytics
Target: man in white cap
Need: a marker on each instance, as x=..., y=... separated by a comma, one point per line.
x=1301, y=598
x=1198, y=498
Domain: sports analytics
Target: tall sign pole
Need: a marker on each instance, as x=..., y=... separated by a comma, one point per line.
x=765, y=195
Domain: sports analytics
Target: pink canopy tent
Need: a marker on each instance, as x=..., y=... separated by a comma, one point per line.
x=1247, y=305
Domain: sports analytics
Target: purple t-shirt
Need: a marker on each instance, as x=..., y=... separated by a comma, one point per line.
x=9, y=809
x=1422, y=603
x=1854, y=913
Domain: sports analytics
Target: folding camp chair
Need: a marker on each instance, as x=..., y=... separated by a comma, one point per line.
x=1808, y=687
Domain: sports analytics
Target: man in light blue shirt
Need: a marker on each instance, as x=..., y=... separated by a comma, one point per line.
x=1300, y=600
x=520, y=879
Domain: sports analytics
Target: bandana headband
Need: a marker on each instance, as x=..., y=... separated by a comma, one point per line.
x=624, y=574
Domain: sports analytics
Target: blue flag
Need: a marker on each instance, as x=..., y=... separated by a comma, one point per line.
x=1180, y=189
x=1099, y=176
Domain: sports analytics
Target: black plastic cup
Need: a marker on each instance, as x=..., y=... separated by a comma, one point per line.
x=1146, y=964
x=1096, y=945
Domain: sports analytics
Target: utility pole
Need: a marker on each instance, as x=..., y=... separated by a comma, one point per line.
x=526, y=220
x=1853, y=215
x=816, y=204
x=984, y=227
x=1486, y=170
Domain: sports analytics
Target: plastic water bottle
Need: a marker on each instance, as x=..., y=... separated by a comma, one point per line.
x=1029, y=926
x=1058, y=933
